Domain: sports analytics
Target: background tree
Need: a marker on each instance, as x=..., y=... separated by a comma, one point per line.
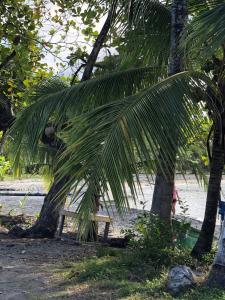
x=164, y=182
x=212, y=50
x=46, y=224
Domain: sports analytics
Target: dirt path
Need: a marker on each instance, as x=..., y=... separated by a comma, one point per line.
x=28, y=267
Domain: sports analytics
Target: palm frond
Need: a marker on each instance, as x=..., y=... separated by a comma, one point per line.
x=148, y=35
x=113, y=138
x=54, y=103
x=199, y=6
x=206, y=32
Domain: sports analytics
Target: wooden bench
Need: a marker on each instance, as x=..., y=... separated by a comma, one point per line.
x=92, y=217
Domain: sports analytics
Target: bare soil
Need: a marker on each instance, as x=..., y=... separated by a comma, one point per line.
x=28, y=267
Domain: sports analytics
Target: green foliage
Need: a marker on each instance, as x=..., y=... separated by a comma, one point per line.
x=112, y=139
x=54, y=102
x=153, y=239
x=4, y=166
x=202, y=41
x=123, y=274
x=20, y=52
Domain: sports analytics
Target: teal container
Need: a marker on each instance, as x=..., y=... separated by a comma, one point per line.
x=188, y=241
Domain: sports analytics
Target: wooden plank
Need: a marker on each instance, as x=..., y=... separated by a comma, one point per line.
x=93, y=217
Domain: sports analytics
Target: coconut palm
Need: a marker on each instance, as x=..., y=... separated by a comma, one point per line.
x=209, y=46
x=60, y=104
x=164, y=182
x=119, y=193
x=47, y=222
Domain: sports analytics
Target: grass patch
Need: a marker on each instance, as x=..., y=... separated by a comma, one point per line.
x=124, y=274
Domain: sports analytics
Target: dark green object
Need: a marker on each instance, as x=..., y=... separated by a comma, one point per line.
x=185, y=235
x=188, y=241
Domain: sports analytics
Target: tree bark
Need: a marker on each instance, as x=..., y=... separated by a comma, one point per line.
x=217, y=160
x=162, y=195
x=97, y=46
x=46, y=225
x=216, y=276
x=204, y=242
x=164, y=182
x=6, y=115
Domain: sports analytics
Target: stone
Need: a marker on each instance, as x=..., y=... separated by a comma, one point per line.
x=180, y=278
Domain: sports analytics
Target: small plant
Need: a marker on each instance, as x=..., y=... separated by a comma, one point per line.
x=11, y=212
x=4, y=166
x=152, y=239
x=23, y=202
x=37, y=215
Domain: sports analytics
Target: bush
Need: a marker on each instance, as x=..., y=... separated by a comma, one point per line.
x=152, y=239
x=4, y=166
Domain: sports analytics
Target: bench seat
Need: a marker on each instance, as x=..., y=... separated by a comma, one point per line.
x=92, y=217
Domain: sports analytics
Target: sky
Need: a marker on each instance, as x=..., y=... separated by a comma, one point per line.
x=73, y=37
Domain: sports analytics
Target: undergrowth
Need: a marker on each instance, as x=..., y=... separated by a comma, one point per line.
x=138, y=272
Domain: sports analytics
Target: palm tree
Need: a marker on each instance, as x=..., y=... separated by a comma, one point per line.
x=164, y=182
x=211, y=45
x=46, y=224
x=168, y=160
x=117, y=136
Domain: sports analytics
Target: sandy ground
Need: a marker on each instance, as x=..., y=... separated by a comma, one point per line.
x=191, y=193
x=28, y=268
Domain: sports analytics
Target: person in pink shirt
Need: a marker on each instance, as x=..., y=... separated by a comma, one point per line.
x=175, y=197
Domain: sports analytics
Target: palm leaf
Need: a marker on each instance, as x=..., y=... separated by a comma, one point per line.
x=54, y=103
x=147, y=36
x=111, y=139
x=206, y=32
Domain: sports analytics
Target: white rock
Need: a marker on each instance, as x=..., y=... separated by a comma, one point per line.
x=179, y=278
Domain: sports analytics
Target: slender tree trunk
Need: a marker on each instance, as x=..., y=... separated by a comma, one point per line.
x=164, y=182
x=97, y=46
x=162, y=195
x=217, y=160
x=46, y=225
x=2, y=142
x=204, y=242
x=217, y=273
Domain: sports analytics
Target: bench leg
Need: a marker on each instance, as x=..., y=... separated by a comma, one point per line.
x=61, y=225
x=106, y=231
x=78, y=232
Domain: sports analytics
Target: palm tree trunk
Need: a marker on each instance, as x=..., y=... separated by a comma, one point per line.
x=46, y=225
x=98, y=45
x=217, y=273
x=204, y=242
x=162, y=195
x=164, y=182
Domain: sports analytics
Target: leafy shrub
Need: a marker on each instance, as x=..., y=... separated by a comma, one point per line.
x=4, y=166
x=152, y=239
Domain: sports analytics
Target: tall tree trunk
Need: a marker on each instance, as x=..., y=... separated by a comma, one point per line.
x=162, y=195
x=217, y=273
x=164, y=182
x=97, y=46
x=46, y=225
x=217, y=160
x=204, y=242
